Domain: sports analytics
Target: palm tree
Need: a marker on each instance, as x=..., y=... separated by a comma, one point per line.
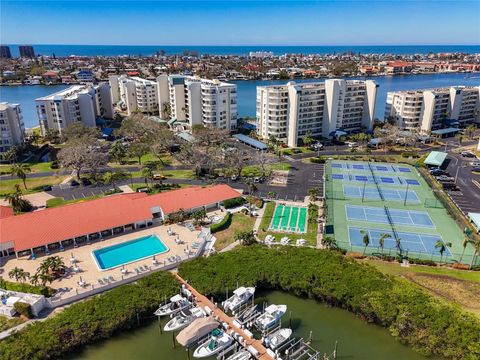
x=476, y=248
x=44, y=278
x=199, y=215
x=20, y=171
x=252, y=188
x=147, y=174
x=35, y=279
x=329, y=242
x=52, y=266
x=382, y=238
x=397, y=243
x=313, y=194
x=466, y=241
x=441, y=246
x=18, y=274
x=245, y=237
x=17, y=202
x=365, y=239
x=307, y=139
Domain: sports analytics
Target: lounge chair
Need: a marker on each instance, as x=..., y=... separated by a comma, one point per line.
x=137, y=270
x=100, y=281
x=110, y=277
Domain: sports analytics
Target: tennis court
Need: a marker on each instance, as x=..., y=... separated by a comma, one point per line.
x=289, y=219
x=364, y=166
x=411, y=242
x=380, y=215
x=372, y=193
x=385, y=180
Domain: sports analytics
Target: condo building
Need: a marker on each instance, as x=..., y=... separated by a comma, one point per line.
x=26, y=51
x=79, y=103
x=134, y=94
x=288, y=112
x=12, y=130
x=433, y=109
x=196, y=101
x=5, y=52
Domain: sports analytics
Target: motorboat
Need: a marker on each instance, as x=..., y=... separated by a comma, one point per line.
x=240, y=296
x=278, y=338
x=218, y=341
x=184, y=318
x=270, y=317
x=241, y=355
x=177, y=303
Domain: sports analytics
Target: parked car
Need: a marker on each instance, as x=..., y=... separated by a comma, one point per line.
x=47, y=188
x=475, y=163
x=444, y=178
x=316, y=146
x=449, y=186
x=234, y=178
x=351, y=144
x=86, y=182
x=437, y=171
x=74, y=183
x=476, y=169
x=468, y=154
x=159, y=177
x=258, y=179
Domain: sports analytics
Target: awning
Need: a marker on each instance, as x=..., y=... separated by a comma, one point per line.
x=435, y=158
x=250, y=141
x=196, y=330
x=475, y=219
x=445, y=131
x=337, y=133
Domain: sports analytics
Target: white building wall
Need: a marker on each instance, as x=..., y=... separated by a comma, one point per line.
x=12, y=130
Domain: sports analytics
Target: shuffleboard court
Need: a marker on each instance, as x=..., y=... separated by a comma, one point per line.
x=354, y=191
x=289, y=218
x=421, y=243
x=398, y=217
x=293, y=219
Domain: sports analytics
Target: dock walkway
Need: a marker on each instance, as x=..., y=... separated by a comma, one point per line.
x=202, y=301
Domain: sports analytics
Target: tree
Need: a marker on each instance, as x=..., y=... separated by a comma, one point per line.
x=329, y=242
x=382, y=238
x=245, y=237
x=236, y=161
x=476, y=250
x=470, y=131
x=114, y=177
x=20, y=171
x=252, y=187
x=147, y=174
x=138, y=149
x=262, y=160
x=118, y=152
x=313, y=194
x=17, y=202
x=74, y=158
x=365, y=239
x=53, y=266
x=35, y=279
x=19, y=274
x=11, y=154
x=166, y=110
x=441, y=246
x=199, y=215
x=307, y=139
x=78, y=133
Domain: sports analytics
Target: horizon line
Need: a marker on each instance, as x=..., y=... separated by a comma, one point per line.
x=286, y=45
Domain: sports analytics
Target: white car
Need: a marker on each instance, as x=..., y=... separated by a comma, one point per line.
x=351, y=144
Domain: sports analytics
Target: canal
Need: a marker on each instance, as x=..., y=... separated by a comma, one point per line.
x=356, y=339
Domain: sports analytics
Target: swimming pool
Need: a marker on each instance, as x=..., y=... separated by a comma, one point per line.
x=128, y=252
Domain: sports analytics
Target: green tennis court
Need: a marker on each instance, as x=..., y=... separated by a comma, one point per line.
x=288, y=218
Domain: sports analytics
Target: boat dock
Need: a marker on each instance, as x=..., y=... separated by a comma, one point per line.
x=254, y=346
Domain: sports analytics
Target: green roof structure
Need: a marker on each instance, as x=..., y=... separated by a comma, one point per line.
x=435, y=158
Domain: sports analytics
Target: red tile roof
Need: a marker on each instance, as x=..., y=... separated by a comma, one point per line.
x=66, y=222
x=5, y=211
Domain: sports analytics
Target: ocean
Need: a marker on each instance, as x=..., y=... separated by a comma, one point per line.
x=147, y=50
x=246, y=91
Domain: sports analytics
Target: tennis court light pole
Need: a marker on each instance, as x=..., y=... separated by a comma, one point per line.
x=406, y=193
x=363, y=192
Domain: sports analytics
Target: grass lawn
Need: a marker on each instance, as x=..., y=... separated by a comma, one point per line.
x=35, y=167
x=176, y=174
x=310, y=235
x=297, y=150
x=59, y=201
x=460, y=287
x=240, y=222
x=33, y=184
x=167, y=159
x=254, y=170
x=136, y=186
x=7, y=323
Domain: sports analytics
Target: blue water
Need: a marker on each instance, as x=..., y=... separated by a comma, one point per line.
x=129, y=251
x=25, y=95
x=146, y=50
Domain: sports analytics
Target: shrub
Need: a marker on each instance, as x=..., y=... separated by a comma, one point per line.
x=412, y=315
x=422, y=262
x=231, y=203
x=318, y=160
x=27, y=288
x=90, y=320
x=54, y=165
x=23, y=309
x=222, y=225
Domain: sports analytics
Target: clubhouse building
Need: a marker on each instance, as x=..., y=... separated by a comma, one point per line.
x=44, y=231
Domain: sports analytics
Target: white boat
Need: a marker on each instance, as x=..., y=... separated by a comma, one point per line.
x=270, y=317
x=177, y=303
x=278, y=338
x=184, y=318
x=218, y=341
x=239, y=297
x=241, y=355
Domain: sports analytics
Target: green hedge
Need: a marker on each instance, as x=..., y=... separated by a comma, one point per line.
x=411, y=315
x=222, y=225
x=90, y=320
x=231, y=203
x=27, y=288
x=23, y=309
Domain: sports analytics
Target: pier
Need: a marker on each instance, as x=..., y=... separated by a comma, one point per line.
x=248, y=342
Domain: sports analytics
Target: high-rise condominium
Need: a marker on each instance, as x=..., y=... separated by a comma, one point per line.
x=288, y=112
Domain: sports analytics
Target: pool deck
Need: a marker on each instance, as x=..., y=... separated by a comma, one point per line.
x=90, y=272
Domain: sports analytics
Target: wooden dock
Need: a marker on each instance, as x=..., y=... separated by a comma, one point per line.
x=202, y=301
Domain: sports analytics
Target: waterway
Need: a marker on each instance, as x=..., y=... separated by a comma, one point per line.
x=246, y=97
x=356, y=339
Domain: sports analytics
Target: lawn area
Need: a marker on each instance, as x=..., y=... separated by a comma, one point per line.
x=59, y=201
x=7, y=323
x=176, y=174
x=167, y=159
x=254, y=170
x=459, y=287
x=297, y=150
x=310, y=235
x=240, y=222
x=136, y=186
x=35, y=167
x=33, y=184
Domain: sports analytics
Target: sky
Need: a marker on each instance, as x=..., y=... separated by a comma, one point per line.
x=387, y=22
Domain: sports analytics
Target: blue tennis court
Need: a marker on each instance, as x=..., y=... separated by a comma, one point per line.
x=412, y=182
x=337, y=176
x=387, y=193
x=379, y=215
x=423, y=243
x=365, y=166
